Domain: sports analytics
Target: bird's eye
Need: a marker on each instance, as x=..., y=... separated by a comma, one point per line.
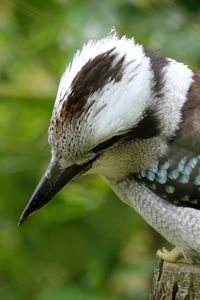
x=106, y=144
x=89, y=158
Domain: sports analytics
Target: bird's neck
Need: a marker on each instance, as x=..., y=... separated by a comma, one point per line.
x=155, y=211
x=120, y=161
x=130, y=192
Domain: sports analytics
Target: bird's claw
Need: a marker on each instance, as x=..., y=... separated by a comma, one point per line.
x=170, y=256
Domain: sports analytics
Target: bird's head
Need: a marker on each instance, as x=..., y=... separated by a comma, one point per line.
x=103, y=98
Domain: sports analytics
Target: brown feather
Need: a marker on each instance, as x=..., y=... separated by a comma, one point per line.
x=158, y=62
x=188, y=134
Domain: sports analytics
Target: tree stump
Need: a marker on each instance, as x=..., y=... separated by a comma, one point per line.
x=176, y=281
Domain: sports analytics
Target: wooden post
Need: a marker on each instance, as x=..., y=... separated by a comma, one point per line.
x=176, y=281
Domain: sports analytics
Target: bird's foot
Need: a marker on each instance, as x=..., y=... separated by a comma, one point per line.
x=174, y=256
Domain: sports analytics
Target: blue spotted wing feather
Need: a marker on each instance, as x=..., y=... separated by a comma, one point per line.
x=175, y=178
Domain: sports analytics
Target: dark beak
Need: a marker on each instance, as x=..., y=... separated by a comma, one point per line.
x=53, y=181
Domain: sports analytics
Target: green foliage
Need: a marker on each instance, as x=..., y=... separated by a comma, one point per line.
x=85, y=244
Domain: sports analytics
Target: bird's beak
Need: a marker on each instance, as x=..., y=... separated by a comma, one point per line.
x=52, y=181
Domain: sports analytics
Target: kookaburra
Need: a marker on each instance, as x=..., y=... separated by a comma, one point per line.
x=132, y=116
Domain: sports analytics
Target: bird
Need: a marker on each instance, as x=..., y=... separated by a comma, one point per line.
x=131, y=115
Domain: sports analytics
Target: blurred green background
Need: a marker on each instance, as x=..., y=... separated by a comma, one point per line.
x=85, y=244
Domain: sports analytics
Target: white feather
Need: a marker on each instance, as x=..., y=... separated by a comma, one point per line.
x=177, y=81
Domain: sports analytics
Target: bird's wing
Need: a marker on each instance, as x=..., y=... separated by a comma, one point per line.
x=177, y=175
x=188, y=136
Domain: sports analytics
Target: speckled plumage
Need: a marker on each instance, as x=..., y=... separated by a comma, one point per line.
x=179, y=225
x=132, y=116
